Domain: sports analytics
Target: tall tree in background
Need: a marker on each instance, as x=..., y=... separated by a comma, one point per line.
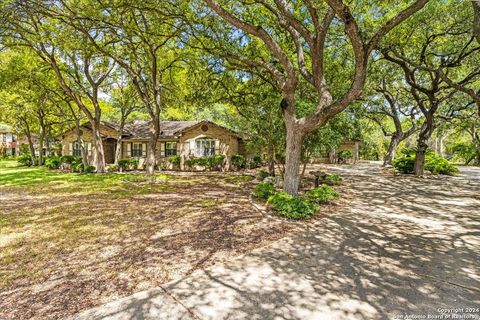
x=141, y=38
x=26, y=99
x=430, y=58
x=124, y=102
x=390, y=105
x=79, y=70
x=286, y=41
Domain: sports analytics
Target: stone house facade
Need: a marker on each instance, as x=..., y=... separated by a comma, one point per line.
x=186, y=139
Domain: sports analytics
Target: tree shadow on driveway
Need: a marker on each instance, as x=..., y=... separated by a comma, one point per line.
x=405, y=246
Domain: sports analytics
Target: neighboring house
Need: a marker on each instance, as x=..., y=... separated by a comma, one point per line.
x=333, y=156
x=183, y=138
x=8, y=142
x=350, y=145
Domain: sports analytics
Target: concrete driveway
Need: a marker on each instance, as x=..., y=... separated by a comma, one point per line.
x=404, y=247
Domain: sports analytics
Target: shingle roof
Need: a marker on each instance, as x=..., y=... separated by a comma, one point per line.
x=168, y=129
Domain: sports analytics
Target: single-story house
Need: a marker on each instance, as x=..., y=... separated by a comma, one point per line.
x=183, y=138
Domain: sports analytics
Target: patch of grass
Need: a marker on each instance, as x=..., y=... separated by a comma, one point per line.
x=239, y=180
x=210, y=202
x=8, y=163
x=41, y=180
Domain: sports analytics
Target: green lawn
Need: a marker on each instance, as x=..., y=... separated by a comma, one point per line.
x=71, y=241
x=116, y=185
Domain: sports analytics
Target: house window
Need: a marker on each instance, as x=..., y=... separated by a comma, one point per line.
x=77, y=149
x=170, y=149
x=204, y=147
x=137, y=150
x=4, y=137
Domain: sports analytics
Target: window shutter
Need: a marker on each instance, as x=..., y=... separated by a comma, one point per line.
x=129, y=149
x=144, y=149
x=70, y=151
x=217, y=146
x=162, y=149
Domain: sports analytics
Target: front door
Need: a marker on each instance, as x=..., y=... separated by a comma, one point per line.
x=109, y=146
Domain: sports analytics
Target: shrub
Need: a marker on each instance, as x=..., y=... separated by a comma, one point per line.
x=77, y=167
x=133, y=163
x=25, y=159
x=213, y=162
x=68, y=159
x=77, y=164
x=218, y=160
x=238, y=161
x=263, y=174
x=53, y=162
x=333, y=179
x=404, y=164
x=175, y=160
x=345, y=154
x=434, y=164
x=113, y=168
x=438, y=165
x=202, y=161
x=291, y=207
x=88, y=169
x=128, y=163
x=255, y=162
x=123, y=163
x=190, y=162
x=322, y=194
x=264, y=190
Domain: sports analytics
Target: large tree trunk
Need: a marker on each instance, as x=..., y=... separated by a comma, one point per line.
x=476, y=145
x=152, y=146
x=118, y=150
x=422, y=147
x=41, y=137
x=392, y=148
x=476, y=19
x=98, y=153
x=48, y=150
x=32, y=149
x=41, y=140
x=426, y=131
x=293, y=159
